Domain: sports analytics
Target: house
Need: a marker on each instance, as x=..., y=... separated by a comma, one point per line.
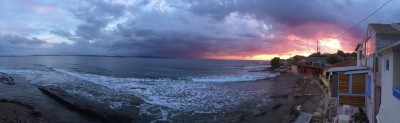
x=295, y=69
x=308, y=71
x=348, y=85
x=347, y=89
x=389, y=109
x=316, y=61
x=379, y=37
x=359, y=53
x=325, y=76
x=299, y=59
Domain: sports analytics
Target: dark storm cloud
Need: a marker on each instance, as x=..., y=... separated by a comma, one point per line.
x=200, y=28
x=18, y=45
x=203, y=28
x=96, y=15
x=175, y=34
x=18, y=40
x=290, y=12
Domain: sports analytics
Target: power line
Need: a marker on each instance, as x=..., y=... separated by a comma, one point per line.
x=348, y=30
x=363, y=20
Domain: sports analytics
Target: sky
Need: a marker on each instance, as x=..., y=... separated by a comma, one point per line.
x=212, y=29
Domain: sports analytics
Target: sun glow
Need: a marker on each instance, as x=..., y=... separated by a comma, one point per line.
x=330, y=45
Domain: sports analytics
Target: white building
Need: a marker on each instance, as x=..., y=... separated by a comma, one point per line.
x=375, y=53
x=389, y=110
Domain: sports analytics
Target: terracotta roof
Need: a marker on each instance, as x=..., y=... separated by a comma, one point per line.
x=349, y=68
x=384, y=29
x=345, y=63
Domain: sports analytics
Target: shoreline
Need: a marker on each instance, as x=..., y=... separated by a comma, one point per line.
x=282, y=108
x=17, y=112
x=304, y=96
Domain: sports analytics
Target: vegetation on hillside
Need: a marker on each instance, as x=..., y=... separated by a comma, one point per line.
x=275, y=63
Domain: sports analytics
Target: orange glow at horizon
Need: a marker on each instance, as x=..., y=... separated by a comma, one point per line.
x=302, y=46
x=265, y=56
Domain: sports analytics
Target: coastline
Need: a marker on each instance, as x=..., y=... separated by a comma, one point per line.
x=25, y=98
x=18, y=112
x=304, y=96
x=282, y=108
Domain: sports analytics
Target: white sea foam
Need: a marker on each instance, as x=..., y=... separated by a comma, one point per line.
x=247, y=76
x=165, y=98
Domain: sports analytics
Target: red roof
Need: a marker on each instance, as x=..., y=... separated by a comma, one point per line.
x=345, y=63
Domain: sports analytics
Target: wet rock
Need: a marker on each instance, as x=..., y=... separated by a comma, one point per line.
x=92, y=110
x=6, y=79
x=295, y=110
x=257, y=112
x=279, y=96
x=276, y=106
x=12, y=111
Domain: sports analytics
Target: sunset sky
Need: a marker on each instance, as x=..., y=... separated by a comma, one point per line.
x=217, y=29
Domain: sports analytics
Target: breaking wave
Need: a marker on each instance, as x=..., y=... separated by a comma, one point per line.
x=164, y=97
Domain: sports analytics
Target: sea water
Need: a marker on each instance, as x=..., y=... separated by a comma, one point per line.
x=169, y=87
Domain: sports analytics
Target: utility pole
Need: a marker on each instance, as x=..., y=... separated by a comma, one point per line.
x=318, y=46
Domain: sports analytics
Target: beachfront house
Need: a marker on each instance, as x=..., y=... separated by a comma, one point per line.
x=378, y=37
x=359, y=53
x=294, y=69
x=347, y=88
x=317, y=61
x=309, y=71
x=389, y=55
x=326, y=76
x=298, y=60
x=348, y=85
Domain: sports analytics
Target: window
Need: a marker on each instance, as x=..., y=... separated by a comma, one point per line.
x=387, y=64
x=376, y=64
x=368, y=86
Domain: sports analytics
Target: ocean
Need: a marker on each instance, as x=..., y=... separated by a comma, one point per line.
x=170, y=88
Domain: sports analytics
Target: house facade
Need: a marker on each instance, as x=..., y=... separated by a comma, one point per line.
x=327, y=76
x=378, y=36
x=348, y=85
x=317, y=61
x=390, y=105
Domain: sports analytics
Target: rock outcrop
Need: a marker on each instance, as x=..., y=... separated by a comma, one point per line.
x=6, y=79
x=99, y=112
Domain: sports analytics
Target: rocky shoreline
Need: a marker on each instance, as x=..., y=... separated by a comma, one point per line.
x=92, y=110
x=18, y=112
x=304, y=95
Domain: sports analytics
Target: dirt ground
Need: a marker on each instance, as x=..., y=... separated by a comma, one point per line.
x=11, y=112
x=306, y=96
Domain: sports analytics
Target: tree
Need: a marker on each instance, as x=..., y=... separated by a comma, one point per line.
x=340, y=53
x=332, y=59
x=317, y=54
x=275, y=63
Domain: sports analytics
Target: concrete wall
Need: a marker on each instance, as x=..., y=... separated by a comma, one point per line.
x=368, y=61
x=294, y=69
x=359, y=54
x=390, y=106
